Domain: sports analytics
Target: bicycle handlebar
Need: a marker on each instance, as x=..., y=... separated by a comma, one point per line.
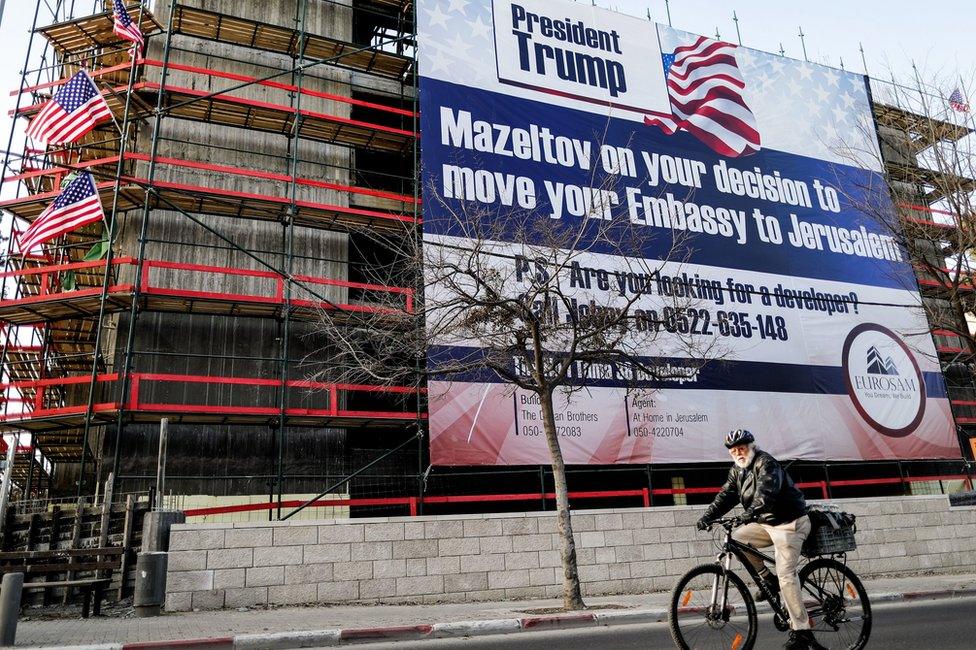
x=725, y=522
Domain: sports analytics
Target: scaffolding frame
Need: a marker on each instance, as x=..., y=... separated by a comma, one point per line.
x=69, y=388
x=40, y=297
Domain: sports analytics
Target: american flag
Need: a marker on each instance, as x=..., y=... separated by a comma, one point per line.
x=704, y=86
x=126, y=29
x=958, y=102
x=76, y=109
x=78, y=205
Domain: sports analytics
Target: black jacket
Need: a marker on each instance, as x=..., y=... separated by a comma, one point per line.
x=765, y=490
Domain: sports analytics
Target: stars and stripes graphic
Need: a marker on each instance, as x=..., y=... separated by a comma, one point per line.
x=76, y=109
x=705, y=90
x=78, y=205
x=957, y=102
x=126, y=29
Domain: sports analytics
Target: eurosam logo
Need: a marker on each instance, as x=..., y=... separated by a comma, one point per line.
x=579, y=52
x=883, y=380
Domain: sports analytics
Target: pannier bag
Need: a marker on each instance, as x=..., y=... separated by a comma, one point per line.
x=831, y=531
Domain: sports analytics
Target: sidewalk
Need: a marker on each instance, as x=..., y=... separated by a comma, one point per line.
x=282, y=628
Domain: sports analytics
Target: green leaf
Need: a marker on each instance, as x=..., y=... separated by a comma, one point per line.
x=97, y=252
x=68, y=281
x=68, y=178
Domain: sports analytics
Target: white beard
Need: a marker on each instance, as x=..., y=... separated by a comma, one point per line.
x=742, y=463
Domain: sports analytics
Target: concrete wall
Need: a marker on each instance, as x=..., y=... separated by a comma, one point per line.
x=513, y=555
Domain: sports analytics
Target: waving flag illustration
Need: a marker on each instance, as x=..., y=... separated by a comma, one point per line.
x=705, y=89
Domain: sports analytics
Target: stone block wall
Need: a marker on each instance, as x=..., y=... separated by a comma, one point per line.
x=513, y=555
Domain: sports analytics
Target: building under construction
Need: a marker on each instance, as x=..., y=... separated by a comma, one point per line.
x=256, y=151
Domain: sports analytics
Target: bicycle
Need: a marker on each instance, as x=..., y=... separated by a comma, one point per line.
x=712, y=608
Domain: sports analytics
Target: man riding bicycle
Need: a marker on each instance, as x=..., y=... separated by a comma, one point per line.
x=775, y=515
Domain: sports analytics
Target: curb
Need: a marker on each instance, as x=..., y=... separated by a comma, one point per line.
x=351, y=636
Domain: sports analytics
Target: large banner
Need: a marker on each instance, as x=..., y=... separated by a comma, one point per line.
x=749, y=154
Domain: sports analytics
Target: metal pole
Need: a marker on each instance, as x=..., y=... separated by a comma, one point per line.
x=161, y=461
x=2, y=3
x=10, y=593
x=667, y=6
x=804, y=44
x=298, y=80
x=419, y=282
x=109, y=257
x=146, y=210
x=735, y=19
x=7, y=475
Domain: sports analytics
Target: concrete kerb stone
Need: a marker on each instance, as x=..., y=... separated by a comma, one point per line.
x=631, y=617
x=476, y=628
x=313, y=639
x=395, y=633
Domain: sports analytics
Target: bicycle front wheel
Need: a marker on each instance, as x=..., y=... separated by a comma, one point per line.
x=698, y=618
x=837, y=603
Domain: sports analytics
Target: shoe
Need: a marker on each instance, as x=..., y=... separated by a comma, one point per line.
x=801, y=640
x=772, y=583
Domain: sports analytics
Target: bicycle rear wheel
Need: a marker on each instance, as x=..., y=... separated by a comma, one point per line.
x=697, y=623
x=837, y=603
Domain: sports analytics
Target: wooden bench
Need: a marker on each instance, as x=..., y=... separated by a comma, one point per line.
x=48, y=564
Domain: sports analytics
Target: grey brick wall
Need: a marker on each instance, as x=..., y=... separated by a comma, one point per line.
x=514, y=555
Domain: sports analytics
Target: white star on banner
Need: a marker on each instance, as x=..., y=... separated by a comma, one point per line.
x=833, y=78
x=437, y=17
x=805, y=71
x=457, y=5
x=822, y=93
x=460, y=45
x=480, y=28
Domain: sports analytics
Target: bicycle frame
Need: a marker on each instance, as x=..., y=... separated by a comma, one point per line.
x=732, y=548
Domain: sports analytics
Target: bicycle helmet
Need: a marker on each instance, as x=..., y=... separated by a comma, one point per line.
x=738, y=437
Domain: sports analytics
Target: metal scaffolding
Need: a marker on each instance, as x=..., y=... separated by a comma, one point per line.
x=75, y=385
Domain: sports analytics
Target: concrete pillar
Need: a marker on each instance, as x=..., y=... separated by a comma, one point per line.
x=155, y=529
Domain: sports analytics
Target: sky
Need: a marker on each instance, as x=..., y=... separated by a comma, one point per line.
x=938, y=38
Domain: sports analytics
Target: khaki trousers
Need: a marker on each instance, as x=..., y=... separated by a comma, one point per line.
x=786, y=539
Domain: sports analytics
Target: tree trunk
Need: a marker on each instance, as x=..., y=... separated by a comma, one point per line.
x=572, y=596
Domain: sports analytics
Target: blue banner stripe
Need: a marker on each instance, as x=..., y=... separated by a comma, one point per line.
x=748, y=376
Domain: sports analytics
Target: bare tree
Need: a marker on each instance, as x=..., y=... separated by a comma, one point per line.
x=536, y=302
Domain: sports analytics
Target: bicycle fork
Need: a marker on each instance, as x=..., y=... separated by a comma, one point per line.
x=720, y=590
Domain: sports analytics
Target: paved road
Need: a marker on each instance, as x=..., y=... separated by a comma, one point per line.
x=942, y=624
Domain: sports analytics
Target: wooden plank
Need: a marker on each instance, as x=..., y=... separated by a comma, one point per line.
x=32, y=532
x=59, y=568
x=64, y=583
x=126, y=542
x=60, y=553
x=75, y=541
x=52, y=543
x=106, y=521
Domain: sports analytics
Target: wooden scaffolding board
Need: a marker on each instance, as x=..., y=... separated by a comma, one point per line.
x=91, y=32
